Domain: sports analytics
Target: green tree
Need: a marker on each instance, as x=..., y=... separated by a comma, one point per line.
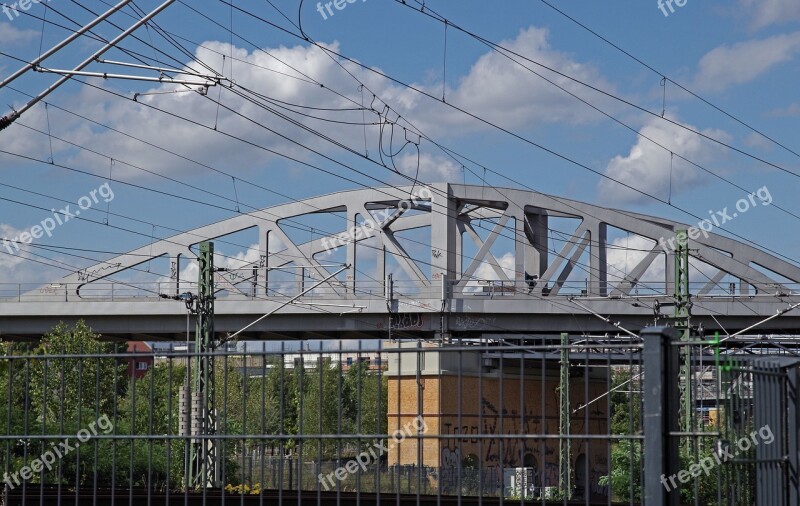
x=282, y=404
x=321, y=404
x=625, y=478
x=151, y=408
x=74, y=375
x=15, y=416
x=63, y=385
x=364, y=399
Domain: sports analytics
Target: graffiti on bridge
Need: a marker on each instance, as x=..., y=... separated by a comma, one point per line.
x=407, y=321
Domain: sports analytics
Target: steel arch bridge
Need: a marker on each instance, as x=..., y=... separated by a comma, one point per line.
x=455, y=258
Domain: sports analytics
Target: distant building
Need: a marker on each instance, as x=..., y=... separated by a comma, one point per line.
x=372, y=359
x=138, y=366
x=256, y=365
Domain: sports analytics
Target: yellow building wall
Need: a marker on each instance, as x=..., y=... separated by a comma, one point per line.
x=522, y=407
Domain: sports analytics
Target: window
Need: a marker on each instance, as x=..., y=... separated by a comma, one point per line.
x=349, y=360
x=141, y=366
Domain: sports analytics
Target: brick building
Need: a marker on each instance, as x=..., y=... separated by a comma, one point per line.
x=138, y=366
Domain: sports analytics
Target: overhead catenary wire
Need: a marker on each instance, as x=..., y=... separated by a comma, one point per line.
x=504, y=50
x=682, y=87
x=348, y=72
x=414, y=88
x=64, y=43
x=16, y=113
x=502, y=129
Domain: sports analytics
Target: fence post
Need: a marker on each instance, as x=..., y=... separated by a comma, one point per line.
x=661, y=396
x=792, y=432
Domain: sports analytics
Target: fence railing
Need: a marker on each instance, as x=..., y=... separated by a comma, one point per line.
x=551, y=420
x=452, y=418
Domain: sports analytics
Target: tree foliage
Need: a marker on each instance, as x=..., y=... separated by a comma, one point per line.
x=70, y=378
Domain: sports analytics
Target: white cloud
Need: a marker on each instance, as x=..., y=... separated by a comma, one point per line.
x=18, y=266
x=431, y=169
x=23, y=136
x=510, y=95
x=188, y=274
x=727, y=66
x=789, y=111
x=767, y=12
x=494, y=88
x=240, y=259
x=648, y=167
x=754, y=140
x=10, y=257
x=625, y=253
x=13, y=36
x=486, y=272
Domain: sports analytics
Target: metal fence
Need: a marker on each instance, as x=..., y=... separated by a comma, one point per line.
x=521, y=420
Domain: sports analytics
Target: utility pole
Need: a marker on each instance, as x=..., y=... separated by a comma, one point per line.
x=203, y=462
x=564, y=454
x=681, y=320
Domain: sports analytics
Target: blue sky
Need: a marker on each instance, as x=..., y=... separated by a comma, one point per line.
x=739, y=55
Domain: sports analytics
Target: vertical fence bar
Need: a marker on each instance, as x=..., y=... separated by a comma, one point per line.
x=661, y=459
x=792, y=432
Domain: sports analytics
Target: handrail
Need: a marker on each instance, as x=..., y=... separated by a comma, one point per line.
x=403, y=291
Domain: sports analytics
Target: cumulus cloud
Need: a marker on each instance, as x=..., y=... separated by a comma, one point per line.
x=726, y=66
x=767, y=12
x=13, y=36
x=486, y=272
x=625, y=253
x=429, y=168
x=16, y=265
x=506, y=93
x=494, y=88
x=649, y=168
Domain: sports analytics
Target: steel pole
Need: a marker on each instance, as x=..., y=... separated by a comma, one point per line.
x=64, y=43
x=9, y=118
